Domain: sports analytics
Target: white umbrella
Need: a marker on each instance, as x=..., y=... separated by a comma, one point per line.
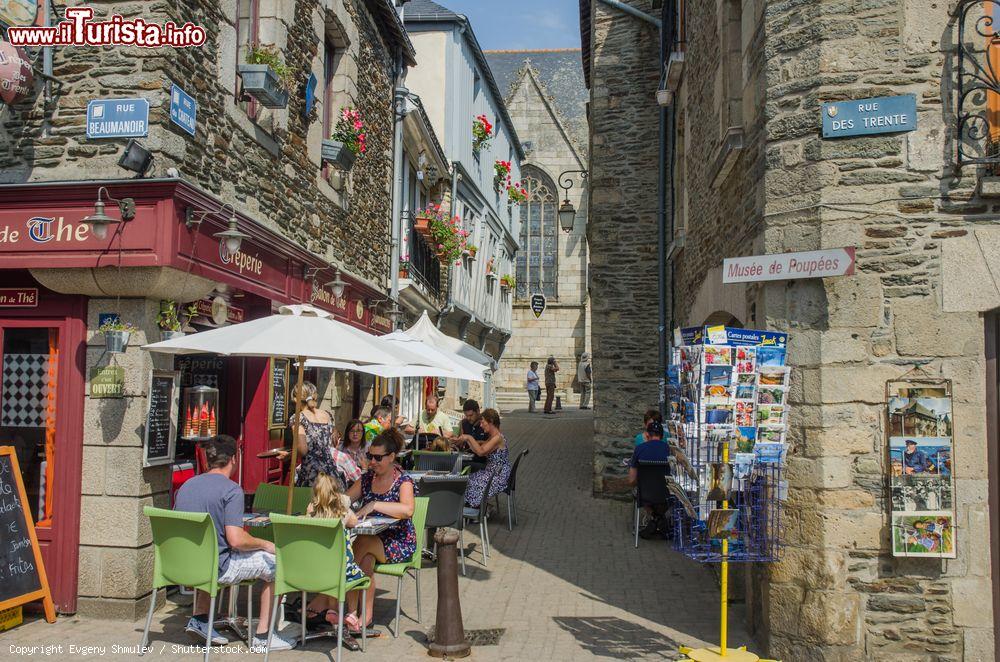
x=300, y=332
x=385, y=371
x=459, y=367
x=425, y=330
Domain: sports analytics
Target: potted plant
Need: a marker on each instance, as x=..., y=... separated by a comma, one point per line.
x=508, y=281
x=516, y=193
x=404, y=266
x=347, y=142
x=265, y=77
x=448, y=238
x=422, y=220
x=482, y=132
x=501, y=177
x=117, y=334
x=169, y=321
x=471, y=250
x=489, y=270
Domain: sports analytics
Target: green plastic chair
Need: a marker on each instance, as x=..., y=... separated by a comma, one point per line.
x=312, y=558
x=185, y=553
x=268, y=498
x=399, y=570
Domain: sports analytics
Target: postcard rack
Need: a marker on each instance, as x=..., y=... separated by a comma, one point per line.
x=729, y=414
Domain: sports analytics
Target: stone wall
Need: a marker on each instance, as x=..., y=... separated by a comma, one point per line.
x=838, y=594
x=621, y=232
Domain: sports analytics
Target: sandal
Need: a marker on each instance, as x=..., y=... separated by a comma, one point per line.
x=353, y=624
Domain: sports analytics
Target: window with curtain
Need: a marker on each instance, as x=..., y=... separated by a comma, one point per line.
x=538, y=258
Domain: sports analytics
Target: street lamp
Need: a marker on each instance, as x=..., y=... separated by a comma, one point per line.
x=99, y=221
x=567, y=212
x=231, y=238
x=336, y=285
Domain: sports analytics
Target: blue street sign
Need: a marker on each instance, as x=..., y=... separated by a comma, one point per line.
x=310, y=94
x=183, y=109
x=117, y=118
x=864, y=117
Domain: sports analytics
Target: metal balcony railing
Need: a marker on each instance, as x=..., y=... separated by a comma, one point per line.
x=424, y=267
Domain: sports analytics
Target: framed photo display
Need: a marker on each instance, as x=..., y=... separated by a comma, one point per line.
x=921, y=431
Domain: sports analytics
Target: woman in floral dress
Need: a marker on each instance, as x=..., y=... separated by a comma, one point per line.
x=384, y=490
x=316, y=438
x=494, y=449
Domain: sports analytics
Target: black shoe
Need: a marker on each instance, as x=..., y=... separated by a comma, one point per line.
x=651, y=530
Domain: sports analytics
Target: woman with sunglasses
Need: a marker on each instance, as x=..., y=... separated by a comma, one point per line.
x=353, y=442
x=385, y=489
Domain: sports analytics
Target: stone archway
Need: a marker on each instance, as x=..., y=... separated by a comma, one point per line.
x=717, y=303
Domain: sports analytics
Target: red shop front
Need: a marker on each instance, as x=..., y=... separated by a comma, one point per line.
x=56, y=278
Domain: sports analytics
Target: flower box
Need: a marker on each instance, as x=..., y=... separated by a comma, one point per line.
x=262, y=83
x=338, y=155
x=422, y=226
x=166, y=334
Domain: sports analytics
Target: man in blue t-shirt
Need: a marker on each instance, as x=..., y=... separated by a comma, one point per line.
x=654, y=449
x=241, y=556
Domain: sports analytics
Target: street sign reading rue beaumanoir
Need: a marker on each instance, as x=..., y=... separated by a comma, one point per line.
x=118, y=118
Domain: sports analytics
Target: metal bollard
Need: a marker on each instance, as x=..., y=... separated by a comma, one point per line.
x=449, y=631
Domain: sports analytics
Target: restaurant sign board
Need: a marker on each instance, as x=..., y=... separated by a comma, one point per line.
x=789, y=266
x=865, y=117
x=538, y=304
x=107, y=382
x=18, y=297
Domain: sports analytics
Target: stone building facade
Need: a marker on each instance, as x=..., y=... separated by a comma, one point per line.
x=752, y=174
x=620, y=55
x=546, y=98
x=307, y=224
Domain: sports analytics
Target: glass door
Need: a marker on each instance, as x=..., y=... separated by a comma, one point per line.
x=28, y=411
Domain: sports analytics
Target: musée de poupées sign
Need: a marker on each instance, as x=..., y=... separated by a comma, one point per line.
x=789, y=266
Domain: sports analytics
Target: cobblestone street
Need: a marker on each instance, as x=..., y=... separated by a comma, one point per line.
x=566, y=584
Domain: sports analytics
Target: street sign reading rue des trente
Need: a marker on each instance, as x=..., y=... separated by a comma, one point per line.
x=863, y=117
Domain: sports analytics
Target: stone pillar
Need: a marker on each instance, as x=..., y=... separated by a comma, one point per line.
x=116, y=554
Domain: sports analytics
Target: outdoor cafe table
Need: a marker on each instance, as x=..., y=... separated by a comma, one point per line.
x=369, y=526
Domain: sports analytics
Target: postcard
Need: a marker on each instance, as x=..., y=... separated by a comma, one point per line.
x=745, y=439
x=769, y=452
x=718, y=391
x=723, y=523
x=771, y=434
x=770, y=415
x=771, y=395
x=925, y=534
x=915, y=456
x=746, y=380
x=745, y=392
x=770, y=356
x=746, y=359
x=742, y=464
x=921, y=492
x=718, y=414
x=745, y=419
x=773, y=376
x=908, y=390
x=718, y=355
x=920, y=417
x=719, y=375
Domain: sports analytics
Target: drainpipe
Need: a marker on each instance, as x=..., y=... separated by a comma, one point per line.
x=632, y=11
x=399, y=112
x=663, y=218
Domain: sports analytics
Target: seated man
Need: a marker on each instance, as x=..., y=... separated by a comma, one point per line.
x=380, y=420
x=471, y=429
x=654, y=449
x=241, y=556
x=431, y=423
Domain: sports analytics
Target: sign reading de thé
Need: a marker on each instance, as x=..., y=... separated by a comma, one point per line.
x=863, y=117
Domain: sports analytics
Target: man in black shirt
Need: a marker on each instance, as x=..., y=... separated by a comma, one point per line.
x=472, y=429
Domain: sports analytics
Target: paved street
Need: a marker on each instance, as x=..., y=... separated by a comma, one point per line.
x=566, y=584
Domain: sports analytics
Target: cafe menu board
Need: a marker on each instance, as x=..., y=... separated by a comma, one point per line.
x=277, y=393
x=161, y=419
x=22, y=573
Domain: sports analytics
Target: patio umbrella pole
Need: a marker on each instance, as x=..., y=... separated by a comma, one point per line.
x=295, y=434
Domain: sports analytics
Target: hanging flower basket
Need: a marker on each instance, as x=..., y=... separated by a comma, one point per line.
x=482, y=133
x=422, y=226
x=508, y=282
x=116, y=342
x=349, y=140
x=170, y=335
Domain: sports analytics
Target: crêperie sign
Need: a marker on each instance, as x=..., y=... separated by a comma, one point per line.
x=22, y=573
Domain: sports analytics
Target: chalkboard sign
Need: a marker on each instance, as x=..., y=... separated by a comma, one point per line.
x=277, y=394
x=161, y=419
x=22, y=573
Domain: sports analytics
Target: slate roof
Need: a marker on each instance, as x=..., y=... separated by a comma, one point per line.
x=561, y=75
x=388, y=19
x=427, y=11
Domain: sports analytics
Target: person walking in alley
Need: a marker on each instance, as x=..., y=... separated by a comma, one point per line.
x=533, y=386
x=585, y=377
x=551, y=368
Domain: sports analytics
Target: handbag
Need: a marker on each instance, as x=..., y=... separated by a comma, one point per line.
x=538, y=394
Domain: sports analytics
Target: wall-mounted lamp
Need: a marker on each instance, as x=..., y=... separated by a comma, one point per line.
x=567, y=212
x=136, y=158
x=336, y=285
x=100, y=221
x=230, y=239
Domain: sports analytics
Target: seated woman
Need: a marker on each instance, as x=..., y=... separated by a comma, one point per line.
x=353, y=442
x=384, y=489
x=329, y=502
x=494, y=449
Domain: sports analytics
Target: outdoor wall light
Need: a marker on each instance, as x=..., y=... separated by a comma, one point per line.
x=99, y=221
x=231, y=238
x=337, y=285
x=136, y=158
x=567, y=212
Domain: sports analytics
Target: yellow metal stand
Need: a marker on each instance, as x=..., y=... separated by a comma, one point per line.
x=722, y=652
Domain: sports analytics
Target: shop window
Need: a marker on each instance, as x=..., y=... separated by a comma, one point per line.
x=247, y=35
x=28, y=411
x=538, y=259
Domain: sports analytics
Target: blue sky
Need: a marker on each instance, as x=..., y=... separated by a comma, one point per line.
x=521, y=24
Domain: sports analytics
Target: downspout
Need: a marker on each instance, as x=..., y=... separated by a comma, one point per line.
x=455, y=179
x=661, y=234
x=632, y=11
x=399, y=112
